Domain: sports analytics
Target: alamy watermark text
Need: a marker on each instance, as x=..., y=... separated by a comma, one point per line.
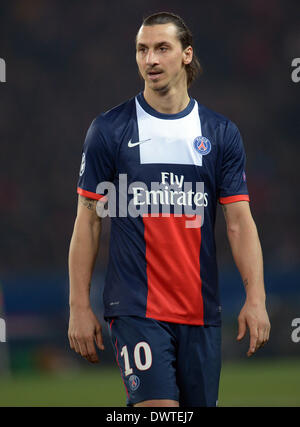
x=2, y=330
x=296, y=72
x=2, y=71
x=296, y=332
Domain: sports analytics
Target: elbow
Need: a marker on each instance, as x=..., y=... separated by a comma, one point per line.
x=233, y=230
x=84, y=227
x=239, y=227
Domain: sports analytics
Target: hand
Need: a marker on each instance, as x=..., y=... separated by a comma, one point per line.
x=255, y=317
x=84, y=329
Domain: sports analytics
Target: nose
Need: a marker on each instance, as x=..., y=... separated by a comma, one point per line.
x=151, y=58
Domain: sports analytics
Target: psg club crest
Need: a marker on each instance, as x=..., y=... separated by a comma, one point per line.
x=134, y=382
x=202, y=145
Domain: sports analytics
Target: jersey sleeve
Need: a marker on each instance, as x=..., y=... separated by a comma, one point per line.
x=97, y=163
x=233, y=186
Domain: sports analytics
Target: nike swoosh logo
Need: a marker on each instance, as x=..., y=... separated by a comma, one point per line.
x=134, y=144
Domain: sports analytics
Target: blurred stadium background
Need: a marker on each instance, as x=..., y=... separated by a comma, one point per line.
x=67, y=61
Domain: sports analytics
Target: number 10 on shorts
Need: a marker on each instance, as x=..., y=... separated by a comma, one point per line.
x=141, y=346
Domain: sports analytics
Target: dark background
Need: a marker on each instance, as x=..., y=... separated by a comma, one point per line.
x=68, y=61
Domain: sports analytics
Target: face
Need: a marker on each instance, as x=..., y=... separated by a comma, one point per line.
x=160, y=57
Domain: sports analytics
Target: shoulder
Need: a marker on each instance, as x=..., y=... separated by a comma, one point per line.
x=224, y=126
x=213, y=116
x=105, y=128
x=114, y=116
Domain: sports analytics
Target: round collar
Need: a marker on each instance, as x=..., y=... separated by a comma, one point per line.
x=143, y=103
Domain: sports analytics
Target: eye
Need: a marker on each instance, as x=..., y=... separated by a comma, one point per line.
x=163, y=48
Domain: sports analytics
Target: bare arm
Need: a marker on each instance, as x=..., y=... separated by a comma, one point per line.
x=83, y=251
x=84, y=327
x=247, y=254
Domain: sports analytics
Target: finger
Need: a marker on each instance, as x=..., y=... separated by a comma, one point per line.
x=260, y=340
x=82, y=347
x=266, y=335
x=242, y=329
x=76, y=345
x=268, y=330
x=71, y=342
x=253, y=340
x=99, y=339
x=92, y=354
x=263, y=336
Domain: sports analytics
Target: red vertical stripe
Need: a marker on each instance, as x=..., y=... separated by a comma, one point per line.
x=173, y=270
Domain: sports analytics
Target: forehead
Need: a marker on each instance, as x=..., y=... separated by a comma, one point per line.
x=154, y=34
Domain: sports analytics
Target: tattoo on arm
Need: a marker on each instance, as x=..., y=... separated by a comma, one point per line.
x=88, y=203
x=245, y=281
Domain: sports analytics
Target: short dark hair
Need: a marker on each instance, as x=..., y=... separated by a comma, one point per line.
x=184, y=35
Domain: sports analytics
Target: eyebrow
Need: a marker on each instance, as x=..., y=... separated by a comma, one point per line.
x=156, y=45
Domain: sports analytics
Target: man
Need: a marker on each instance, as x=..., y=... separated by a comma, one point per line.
x=157, y=154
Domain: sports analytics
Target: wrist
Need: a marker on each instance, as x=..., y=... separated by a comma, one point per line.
x=79, y=305
x=256, y=298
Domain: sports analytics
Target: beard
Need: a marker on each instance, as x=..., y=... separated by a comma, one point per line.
x=161, y=89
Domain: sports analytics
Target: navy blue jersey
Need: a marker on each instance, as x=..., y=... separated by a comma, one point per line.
x=163, y=175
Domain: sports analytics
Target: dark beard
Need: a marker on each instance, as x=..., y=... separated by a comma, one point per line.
x=162, y=90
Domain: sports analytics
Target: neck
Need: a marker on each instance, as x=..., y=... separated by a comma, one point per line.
x=172, y=101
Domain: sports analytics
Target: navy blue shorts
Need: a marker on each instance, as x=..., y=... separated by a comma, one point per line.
x=163, y=360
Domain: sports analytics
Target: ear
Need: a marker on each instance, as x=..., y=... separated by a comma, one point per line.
x=187, y=55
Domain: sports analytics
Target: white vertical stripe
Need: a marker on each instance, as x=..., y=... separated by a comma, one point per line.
x=171, y=139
